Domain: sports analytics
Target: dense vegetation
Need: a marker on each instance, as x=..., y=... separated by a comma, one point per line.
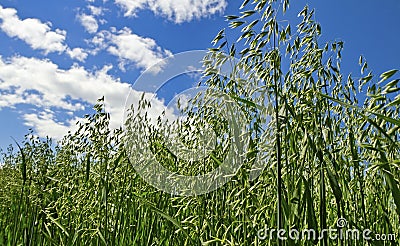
x=331, y=156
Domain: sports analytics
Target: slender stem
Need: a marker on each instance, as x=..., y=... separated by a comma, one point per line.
x=278, y=139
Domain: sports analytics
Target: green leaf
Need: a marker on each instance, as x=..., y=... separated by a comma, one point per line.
x=333, y=182
x=59, y=225
x=250, y=26
x=235, y=24
x=395, y=102
x=367, y=78
x=23, y=164
x=231, y=17
x=386, y=118
x=222, y=45
x=101, y=236
x=87, y=167
x=245, y=2
x=311, y=217
x=247, y=13
x=360, y=112
x=247, y=102
x=219, y=36
x=163, y=214
x=319, y=29
x=303, y=12
x=388, y=74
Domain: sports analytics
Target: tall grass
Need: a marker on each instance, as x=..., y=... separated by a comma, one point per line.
x=332, y=157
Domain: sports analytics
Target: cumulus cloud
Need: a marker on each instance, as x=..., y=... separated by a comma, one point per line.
x=132, y=6
x=77, y=54
x=41, y=83
x=36, y=34
x=45, y=124
x=96, y=11
x=88, y=22
x=131, y=48
x=46, y=87
x=44, y=84
x=176, y=10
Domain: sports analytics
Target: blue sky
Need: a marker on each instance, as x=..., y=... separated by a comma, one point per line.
x=58, y=57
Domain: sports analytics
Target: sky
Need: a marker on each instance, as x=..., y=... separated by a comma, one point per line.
x=58, y=57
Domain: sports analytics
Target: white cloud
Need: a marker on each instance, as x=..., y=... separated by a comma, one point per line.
x=96, y=11
x=100, y=41
x=46, y=87
x=39, y=35
x=175, y=10
x=88, y=22
x=43, y=84
x=131, y=48
x=45, y=124
x=32, y=31
x=77, y=53
x=131, y=6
